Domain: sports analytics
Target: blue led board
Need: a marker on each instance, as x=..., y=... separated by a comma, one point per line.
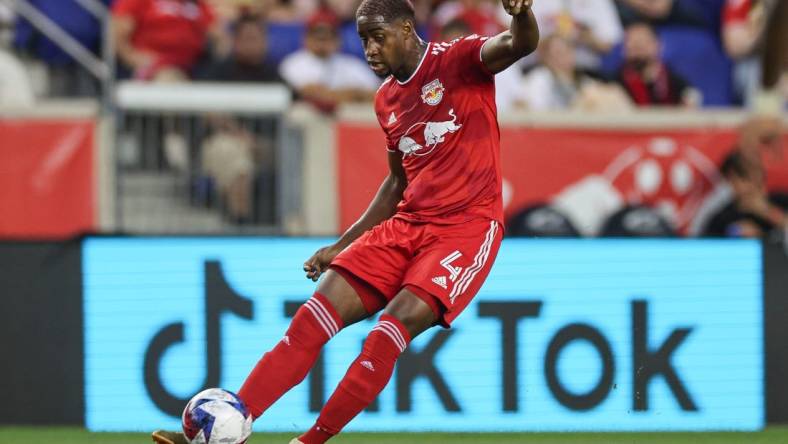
x=607, y=335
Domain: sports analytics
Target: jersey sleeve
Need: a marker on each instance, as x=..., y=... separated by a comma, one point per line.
x=465, y=54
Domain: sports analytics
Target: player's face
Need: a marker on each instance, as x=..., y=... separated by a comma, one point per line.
x=383, y=44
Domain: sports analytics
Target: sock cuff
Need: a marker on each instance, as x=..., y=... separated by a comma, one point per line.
x=394, y=329
x=325, y=314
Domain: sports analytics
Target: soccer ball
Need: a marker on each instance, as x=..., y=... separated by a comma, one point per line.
x=216, y=416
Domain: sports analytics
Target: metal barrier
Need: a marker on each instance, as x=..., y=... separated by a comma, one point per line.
x=101, y=67
x=204, y=158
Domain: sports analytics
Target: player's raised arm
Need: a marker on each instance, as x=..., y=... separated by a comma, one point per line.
x=521, y=39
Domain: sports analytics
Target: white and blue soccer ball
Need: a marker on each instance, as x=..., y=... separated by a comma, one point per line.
x=216, y=416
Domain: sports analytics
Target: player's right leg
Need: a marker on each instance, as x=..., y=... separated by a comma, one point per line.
x=334, y=306
x=404, y=318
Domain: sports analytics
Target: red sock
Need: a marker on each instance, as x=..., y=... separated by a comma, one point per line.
x=288, y=363
x=364, y=380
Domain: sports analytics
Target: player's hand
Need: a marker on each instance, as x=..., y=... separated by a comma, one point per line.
x=319, y=262
x=517, y=7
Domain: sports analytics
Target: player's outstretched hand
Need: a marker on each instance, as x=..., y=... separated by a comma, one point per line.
x=515, y=7
x=318, y=263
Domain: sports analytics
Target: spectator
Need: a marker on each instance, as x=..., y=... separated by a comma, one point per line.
x=760, y=137
x=509, y=92
x=661, y=12
x=759, y=149
x=556, y=83
x=319, y=74
x=644, y=76
x=743, y=30
x=247, y=62
x=751, y=213
x=232, y=156
x=161, y=39
x=593, y=25
x=229, y=157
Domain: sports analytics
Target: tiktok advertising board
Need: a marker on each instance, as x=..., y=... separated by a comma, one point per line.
x=618, y=335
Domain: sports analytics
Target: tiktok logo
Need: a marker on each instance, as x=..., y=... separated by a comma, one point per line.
x=219, y=297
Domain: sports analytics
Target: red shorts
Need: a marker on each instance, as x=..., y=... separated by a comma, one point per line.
x=445, y=265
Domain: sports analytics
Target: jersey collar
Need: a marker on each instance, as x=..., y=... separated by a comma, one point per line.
x=421, y=62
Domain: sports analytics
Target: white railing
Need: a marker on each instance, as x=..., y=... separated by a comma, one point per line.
x=205, y=158
x=101, y=67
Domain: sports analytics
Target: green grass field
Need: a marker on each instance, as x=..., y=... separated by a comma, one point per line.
x=54, y=435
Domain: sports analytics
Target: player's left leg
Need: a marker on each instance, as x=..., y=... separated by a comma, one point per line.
x=405, y=317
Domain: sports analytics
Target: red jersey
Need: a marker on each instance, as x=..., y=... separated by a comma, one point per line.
x=444, y=123
x=174, y=30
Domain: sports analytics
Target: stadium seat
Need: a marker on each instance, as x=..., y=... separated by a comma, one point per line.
x=75, y=20
x=287, y=38
x=351, y=44
x=709, y=10
x=284, y=39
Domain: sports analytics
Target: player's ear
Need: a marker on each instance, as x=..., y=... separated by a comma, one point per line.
x=408, y=27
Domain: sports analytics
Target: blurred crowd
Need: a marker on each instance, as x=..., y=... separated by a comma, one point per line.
x=593, y=54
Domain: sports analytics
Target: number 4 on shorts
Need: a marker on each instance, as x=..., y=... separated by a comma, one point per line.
x=446, y=263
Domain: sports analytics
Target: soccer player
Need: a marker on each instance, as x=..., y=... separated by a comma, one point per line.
x=426, y=243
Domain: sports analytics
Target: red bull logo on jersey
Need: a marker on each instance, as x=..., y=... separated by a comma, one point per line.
x=420, y=143
x=432, y=93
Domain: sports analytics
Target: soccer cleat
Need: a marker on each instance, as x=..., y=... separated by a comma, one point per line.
x=164, y=437
x=296, y=441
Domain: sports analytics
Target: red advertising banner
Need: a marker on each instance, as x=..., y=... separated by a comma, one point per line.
x=587, y=173
x=46, y=178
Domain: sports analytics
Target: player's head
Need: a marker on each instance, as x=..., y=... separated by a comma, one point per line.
x=387, y=29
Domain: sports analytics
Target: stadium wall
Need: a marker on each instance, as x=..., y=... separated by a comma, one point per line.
x=150, y=320
x=41, y=329
x=597, y=163
x=58, y=174
x=775, y=290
